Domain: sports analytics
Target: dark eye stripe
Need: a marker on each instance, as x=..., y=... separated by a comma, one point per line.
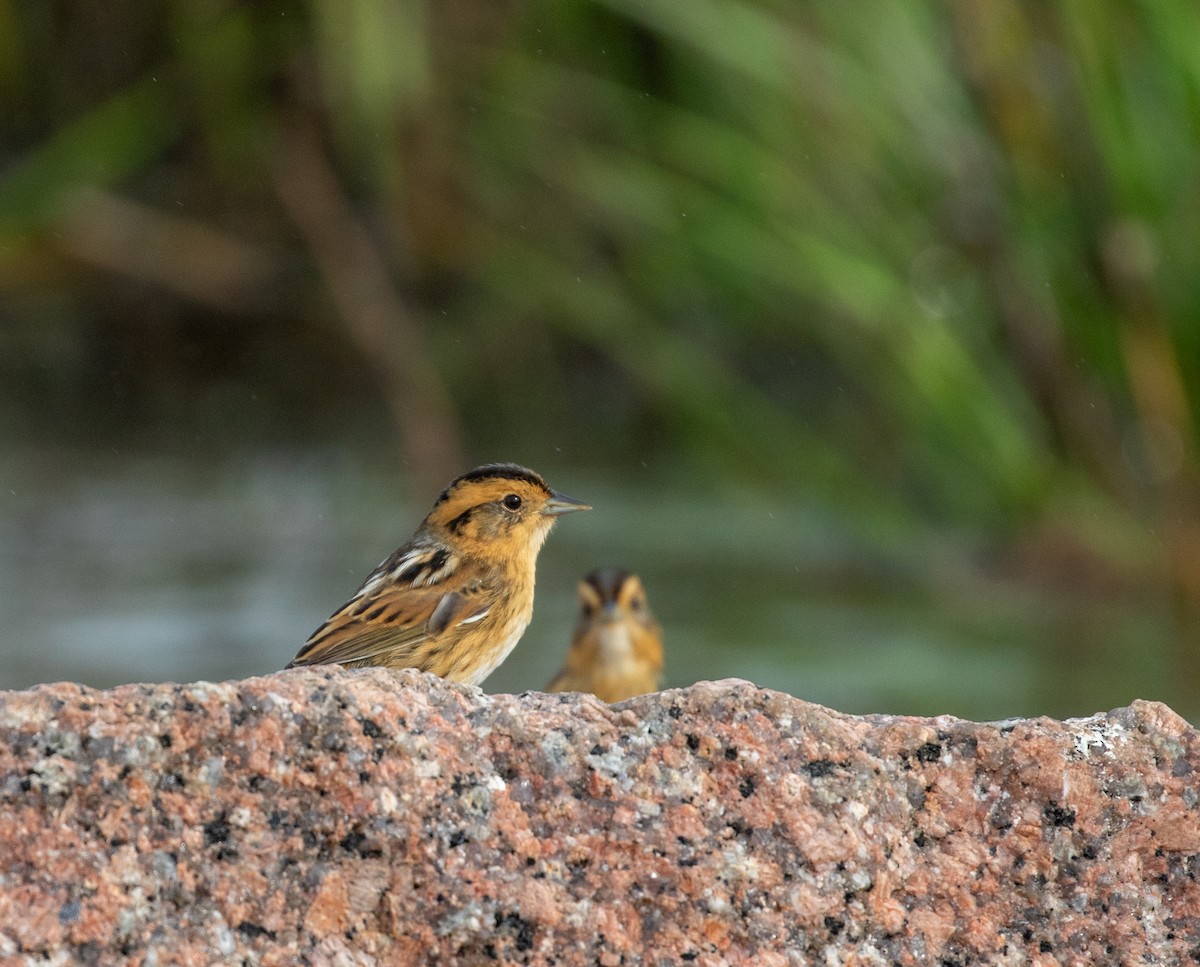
x=456, y=524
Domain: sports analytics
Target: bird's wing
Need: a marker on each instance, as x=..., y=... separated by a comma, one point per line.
x=393, y=622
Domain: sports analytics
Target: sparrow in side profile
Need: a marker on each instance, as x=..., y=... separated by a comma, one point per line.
x=457, y=597
x=616, y=650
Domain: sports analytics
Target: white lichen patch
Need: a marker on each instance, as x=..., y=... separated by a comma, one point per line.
x=241, y=817
x=864, y=955
x=64, y=742
x=556, y=750
x=226, y=694
x=222, y=937
x=612, y=762
x=718, y=904
x=211, y=772
x=132, y=916
x=468, y=918
x=860, y=880
x=54, y=776
x=648, y=808
x=1097, y=734
x=142, y=751
x=273, y=701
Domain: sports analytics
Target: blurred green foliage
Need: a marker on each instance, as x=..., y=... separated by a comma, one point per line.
x=932, y=262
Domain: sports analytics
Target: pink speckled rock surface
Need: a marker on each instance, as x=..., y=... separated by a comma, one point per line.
x=320, y=816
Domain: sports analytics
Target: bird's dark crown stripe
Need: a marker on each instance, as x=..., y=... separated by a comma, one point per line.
x=500, y=471
x=608, y=582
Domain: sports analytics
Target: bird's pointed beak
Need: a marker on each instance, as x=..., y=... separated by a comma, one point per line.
x=560, y=504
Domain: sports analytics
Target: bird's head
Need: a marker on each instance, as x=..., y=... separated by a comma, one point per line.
x=611, y=594
x=498, y=511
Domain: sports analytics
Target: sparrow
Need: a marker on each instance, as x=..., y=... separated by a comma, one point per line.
x=457, y=597
x=616, y=649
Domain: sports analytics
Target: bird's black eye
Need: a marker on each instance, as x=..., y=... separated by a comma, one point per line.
x=512, y=502
x=635, y=603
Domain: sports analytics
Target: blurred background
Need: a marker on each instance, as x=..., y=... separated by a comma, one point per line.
x=869, y=330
